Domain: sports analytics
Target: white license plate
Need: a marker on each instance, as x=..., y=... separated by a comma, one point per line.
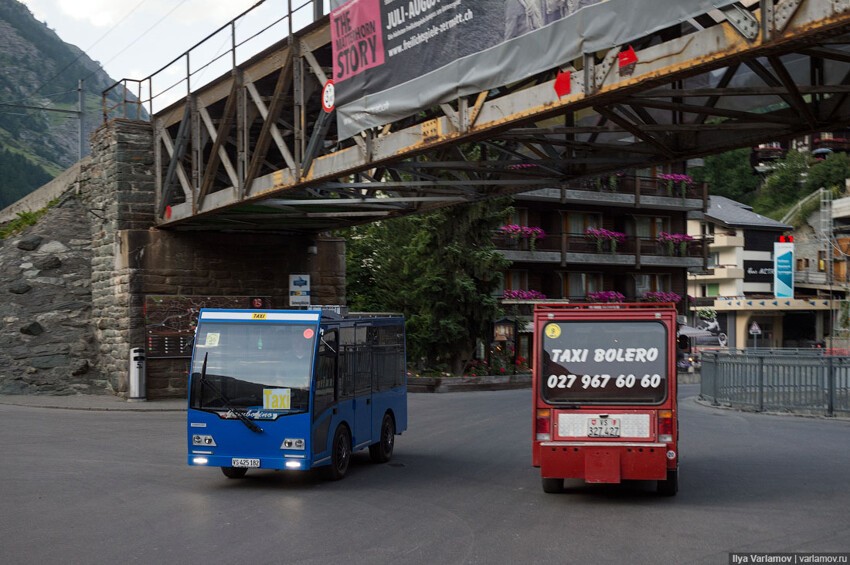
x=603, y=427
x=244, y=462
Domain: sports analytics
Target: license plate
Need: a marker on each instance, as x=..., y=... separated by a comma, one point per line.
x=244, y=462
x=603, y=427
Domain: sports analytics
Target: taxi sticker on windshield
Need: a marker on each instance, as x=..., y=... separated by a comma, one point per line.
x=553, y=331
x=276, y=398
x=212, y=339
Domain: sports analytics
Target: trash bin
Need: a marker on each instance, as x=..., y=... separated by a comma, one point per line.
x=137, y=375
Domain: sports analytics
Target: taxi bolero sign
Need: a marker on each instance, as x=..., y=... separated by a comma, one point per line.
x=392, y=58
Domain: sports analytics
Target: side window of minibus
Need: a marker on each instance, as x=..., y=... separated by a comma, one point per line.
x=326, y=373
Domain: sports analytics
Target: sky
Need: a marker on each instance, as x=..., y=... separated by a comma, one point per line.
x=135, y=38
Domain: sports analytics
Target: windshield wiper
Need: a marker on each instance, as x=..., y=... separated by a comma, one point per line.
x=249, y=423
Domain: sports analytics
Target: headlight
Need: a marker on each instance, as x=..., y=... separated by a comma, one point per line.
x=293, y=443
x=205, y=440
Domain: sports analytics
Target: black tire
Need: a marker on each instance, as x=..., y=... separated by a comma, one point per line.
x=340, y=454
x=234, y=472
x=553, y=486
x=382, y=451
x=671, y=486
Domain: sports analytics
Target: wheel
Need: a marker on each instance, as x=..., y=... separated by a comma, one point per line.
x=340, y=454
x=553, y=486
x=234, y=472
x=671, y=486
x=382, y=451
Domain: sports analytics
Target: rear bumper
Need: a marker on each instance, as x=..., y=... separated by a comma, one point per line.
x=597, y=462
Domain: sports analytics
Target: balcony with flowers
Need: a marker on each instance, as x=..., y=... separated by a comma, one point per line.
x=669, y=185
x=520, y=294
x=675, y=244
x=612, y=296
x=676, y=184
x=605, y=240
x=605, y=296
x=661, y=296
x=589, y=246
x=517, y=236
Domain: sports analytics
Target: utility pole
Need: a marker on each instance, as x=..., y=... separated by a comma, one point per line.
x=80, y=119
x=79, y=112
x=826, y=234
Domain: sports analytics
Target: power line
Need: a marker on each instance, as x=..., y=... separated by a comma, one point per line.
x=22, y=100
x=3, y=105
x=144, y=33
x=115, y=26
x=85, y=52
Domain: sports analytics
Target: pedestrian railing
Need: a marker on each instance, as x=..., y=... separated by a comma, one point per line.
x=799, y=381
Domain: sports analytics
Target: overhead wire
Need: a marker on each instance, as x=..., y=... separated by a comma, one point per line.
x=112, y=28
x=96, y=42
x=84, y=52
x=144, y=33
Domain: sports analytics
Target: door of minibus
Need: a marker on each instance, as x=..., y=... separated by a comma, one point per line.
x=363, y=387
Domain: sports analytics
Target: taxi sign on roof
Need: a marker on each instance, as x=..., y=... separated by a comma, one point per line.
x=269, y=316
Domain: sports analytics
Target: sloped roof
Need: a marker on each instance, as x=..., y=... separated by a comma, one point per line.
x=736, y=214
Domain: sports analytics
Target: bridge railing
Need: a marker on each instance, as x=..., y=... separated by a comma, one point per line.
x=215, y=55
x=798, y=381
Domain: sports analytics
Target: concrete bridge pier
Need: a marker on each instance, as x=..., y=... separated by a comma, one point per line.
x=133, y=261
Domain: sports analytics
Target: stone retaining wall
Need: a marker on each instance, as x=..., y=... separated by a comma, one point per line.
x=39, y=198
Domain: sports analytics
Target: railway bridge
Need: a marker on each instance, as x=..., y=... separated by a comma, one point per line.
x=381, y=109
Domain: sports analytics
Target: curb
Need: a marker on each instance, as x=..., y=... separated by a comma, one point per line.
x=93, y=403
x=467, y=384
x=705, y=402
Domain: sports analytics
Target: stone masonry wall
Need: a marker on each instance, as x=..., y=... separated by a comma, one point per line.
x=117, y=185
x=47, y=342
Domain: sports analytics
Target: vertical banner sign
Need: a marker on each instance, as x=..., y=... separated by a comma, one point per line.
x=357, y=39
x=394, y=58
x=783, y=270
x=299, y=290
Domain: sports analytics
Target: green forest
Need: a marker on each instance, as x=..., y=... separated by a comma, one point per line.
x=19, y=177
x=792, y=178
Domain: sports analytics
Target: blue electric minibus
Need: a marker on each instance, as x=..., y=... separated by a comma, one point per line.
x=295, y=389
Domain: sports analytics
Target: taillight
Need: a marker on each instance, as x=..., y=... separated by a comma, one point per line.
x=665, y=426
x=543, y=424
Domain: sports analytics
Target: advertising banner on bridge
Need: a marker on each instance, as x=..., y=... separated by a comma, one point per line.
x=392, y=58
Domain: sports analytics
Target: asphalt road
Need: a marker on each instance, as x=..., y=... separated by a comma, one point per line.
x=113, y=487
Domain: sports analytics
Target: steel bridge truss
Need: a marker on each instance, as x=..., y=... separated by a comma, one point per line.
x=256, y=151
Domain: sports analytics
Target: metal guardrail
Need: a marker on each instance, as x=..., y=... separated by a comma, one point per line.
x=798, y=381
x=218, y=53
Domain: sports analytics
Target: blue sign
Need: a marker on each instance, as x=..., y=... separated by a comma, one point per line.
x=783, y=270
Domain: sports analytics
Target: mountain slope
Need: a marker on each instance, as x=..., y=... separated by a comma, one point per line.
x=38, y=69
